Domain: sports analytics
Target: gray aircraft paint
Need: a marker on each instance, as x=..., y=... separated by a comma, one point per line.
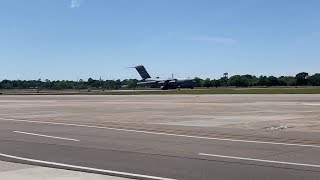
x=171, y=83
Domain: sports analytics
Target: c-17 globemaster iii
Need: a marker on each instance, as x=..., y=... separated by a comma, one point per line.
x=165, y=84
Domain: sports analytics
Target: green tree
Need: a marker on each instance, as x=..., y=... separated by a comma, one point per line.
x=118, y=84
x=250, y=79
x=218, y=83
x=109, y=84
x=132, y=83
x=273, y=81
x=223, y=81
x=314, y=80
x=262, y=81
x=7, y=86
x=90, y=81
x=302, y=79
x=287, y=81
x=238, y=81
x=198, y=81
x=207, y=83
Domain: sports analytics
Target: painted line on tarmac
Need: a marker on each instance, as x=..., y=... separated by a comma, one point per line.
x=259, y=160
x=42, y=135
x=82, y=168
x=167, y=134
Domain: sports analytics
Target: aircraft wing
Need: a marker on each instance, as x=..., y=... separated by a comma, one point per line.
x=147, y=82
x=157, y=81
x=168, y=81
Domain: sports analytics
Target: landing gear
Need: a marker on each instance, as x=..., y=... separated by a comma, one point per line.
x=164, y=88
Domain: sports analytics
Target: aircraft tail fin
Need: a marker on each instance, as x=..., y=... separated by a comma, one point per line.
x=143, y=72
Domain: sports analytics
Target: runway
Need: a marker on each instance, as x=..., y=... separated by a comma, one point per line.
x=57, y=132
x=141, y=155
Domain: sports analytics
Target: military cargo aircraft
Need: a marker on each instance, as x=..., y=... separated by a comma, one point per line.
x=164, y=84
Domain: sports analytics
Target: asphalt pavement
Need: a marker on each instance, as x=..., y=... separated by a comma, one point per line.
x=151, y=154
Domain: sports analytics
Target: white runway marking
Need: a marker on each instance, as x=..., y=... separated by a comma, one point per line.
x=85, y=168
x=311, y=104
x=41, y=135
x=168, y=134
x=260, y=160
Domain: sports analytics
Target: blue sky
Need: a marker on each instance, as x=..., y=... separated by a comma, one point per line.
x=70, y=39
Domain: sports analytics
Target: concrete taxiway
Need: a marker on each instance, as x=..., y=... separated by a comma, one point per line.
x=15, y=171
x=154, y=138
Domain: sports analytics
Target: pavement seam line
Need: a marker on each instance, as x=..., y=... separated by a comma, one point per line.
x=167, y=134
x=47, y=136
x=84, y=168
x=260, y=160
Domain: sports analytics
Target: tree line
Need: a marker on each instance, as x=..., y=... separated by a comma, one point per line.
x=65, y=84
x=301, y=79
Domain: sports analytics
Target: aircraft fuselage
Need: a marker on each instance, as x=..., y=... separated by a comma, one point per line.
x=164, y=84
